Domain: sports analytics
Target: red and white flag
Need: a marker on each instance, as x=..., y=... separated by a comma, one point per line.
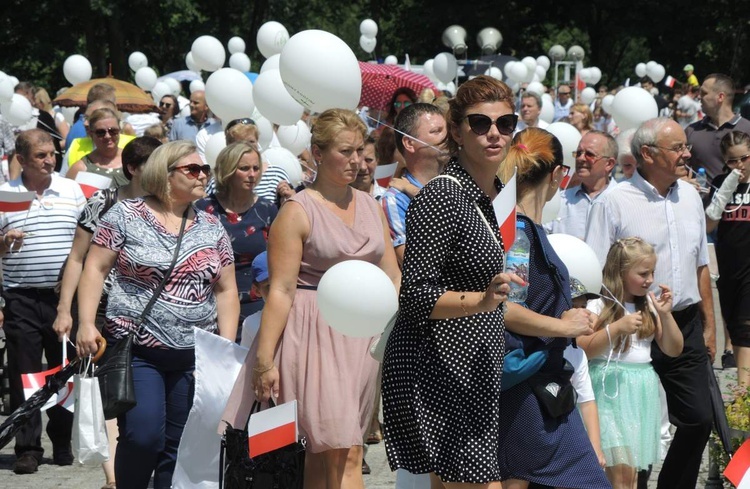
x=273, y=428
x=504, y=206
x=738, y=469
x=16, y=201
x=91, y=182
x=670, y=81
x=384, y=173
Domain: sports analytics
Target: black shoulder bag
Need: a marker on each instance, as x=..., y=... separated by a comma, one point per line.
x=116, y=371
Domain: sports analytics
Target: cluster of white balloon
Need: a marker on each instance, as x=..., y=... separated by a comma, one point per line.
x=15, y=107
x=652, y=69
x=368, y=29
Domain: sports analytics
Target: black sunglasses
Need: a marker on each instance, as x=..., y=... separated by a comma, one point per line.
x=194, y=170
x=112, y=131
x=164, y=104
x=481, y=124
x=246, y=121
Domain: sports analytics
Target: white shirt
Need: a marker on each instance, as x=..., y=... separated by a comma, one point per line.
x=675, y=225
x=581, y=380
x=575, y=205
x=522, y=125
x=204, y=134
x=640, y=348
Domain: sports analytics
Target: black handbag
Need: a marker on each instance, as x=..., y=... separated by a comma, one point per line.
x=115, y=372
x=554, y=391
x=280, y=469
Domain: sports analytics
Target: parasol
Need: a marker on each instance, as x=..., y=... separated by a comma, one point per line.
x=721, y=425
x=379, y=81
x=33, y=404
x=130, y=98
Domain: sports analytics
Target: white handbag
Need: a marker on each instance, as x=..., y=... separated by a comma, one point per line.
x=89, y=438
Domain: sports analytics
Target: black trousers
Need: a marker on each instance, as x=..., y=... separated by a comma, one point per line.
x=29, y=315
x=685, y=380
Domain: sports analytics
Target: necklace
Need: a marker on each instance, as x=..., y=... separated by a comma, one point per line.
x=334, y=202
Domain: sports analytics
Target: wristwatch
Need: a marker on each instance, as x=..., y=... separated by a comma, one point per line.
x=2, y=302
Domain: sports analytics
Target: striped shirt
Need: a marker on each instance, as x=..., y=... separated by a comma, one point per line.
x=272, y=176
x=49, y=226
x=395, y=203
x=675, y=225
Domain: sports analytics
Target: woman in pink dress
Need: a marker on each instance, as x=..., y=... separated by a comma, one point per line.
x=299, y=356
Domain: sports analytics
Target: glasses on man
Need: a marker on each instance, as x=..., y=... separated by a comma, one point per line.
x=675, y=149
x=404, y=104
x=588, y=155
x=246, y=121
x=734, y=161
x=112, y=131
x=480, y=124
x=564, y=93
x=194, y=170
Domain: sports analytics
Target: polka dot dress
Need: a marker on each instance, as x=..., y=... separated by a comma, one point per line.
x=442, y=378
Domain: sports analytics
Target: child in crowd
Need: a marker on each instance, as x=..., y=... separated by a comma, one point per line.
x=260, y=288
x=625, y=383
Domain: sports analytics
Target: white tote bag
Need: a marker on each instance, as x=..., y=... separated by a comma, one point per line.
x=90, y=443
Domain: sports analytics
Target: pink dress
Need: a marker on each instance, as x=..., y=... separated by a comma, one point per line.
x=332, y=376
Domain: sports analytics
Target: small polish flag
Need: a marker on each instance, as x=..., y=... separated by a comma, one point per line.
x=504, y=206
x=384, y=173
x=34, y=382
x=273, y=428
x=738, y=469
x=91, y=182
x=16, y=201
x=670, y=81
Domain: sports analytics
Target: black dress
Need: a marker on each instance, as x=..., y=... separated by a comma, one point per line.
x=442, y=378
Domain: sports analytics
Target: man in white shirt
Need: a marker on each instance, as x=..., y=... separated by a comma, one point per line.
x=563, y=103
x=688, y=107
x=531, y=108
x=666, y=211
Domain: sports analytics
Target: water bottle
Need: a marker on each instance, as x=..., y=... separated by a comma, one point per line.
x=517, y=260
x=701, y=178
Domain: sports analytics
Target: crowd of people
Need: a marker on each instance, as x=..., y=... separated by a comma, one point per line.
x=175, y=244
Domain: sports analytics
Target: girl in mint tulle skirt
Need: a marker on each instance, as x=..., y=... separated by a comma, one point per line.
x=625, y=384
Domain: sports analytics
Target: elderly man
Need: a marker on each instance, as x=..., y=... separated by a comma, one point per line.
x=188, y=127
x=531, y=108
x=563, y=103
x=717, y=95
x=420, y=133
x=34, y=246
x=658, y=206
x=596, y=157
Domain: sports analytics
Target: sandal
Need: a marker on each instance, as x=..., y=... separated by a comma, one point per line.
x=110, y=485
x=374, y=438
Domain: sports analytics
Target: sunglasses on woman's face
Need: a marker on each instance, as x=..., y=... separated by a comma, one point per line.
x=741, y=159
x=194, y=170
x=112, y=131
x=165, y=104
x=398, y=105
x=480, y=124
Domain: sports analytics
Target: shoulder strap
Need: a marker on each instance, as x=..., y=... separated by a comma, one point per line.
x=450, y=177
x=163, y=282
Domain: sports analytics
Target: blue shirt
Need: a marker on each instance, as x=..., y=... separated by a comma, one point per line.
x=77, y=130
x=186, y=128
x=575, y=206
x=395, y=204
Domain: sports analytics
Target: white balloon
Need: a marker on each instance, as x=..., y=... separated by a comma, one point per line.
x=541, y=72
x=137, y=60
x=6, y=89
x=508, y=69
x=588, y=95
x=656, y=73
x=273, y=101
x=236, y=45
x=216, y=142
x=391, y=60
x=543, y=61
x=295, y=138
x=285, y=159
x=569, y=137
x=530, y=63
x=519, y=72
x=579, y=259
x=174, y=86
x=633, y=106
x=357, y=318
x=320, y=71
x=548, y=109
x=145, y=78
x=240, y=62
x=77, y=69
x=208, y=53
x=197, y=86
x=190, y=62
x=651, y=64
x=427, y=69
x=450, y=87
x=271, y=39
x=369, y=28
x=69, y=113
x=551, y=209
x=272, y=63
x=607, y=103
x=445, y=67
x=265, y=131
x=14, y=81
x=640, y=70
x=494, y=72
x=229, y=94
x=535, y=87
x=596, y=75
x=159, y=90
x=17, y=110
x=585, y=75
x=367, y=44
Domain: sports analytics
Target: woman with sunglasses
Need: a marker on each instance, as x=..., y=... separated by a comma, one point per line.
x=245, y=217
x=728, y=211
x=169, y=108
x=138, y=237
x=542, y=438
x=106, y=159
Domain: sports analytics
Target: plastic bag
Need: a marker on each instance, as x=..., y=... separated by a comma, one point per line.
x=90, y=443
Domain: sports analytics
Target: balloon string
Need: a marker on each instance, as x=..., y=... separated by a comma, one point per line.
x=440, y=151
